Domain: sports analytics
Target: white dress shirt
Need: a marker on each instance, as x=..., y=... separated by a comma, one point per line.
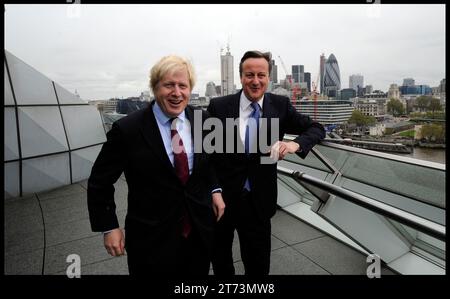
x=245, y=109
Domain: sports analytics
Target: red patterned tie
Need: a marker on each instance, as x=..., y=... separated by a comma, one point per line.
x=181, y=169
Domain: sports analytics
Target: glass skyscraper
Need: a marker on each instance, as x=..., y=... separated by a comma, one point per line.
x=332, y=77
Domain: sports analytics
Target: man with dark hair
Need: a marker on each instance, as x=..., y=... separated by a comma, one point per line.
x=249, y=187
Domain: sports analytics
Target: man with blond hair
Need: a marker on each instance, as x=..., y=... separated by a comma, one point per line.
x=173, y=195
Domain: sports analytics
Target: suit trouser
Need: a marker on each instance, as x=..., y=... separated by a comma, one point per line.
x=186, y=258
x=254, y=237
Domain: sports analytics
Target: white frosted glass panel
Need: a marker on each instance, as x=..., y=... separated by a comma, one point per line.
x=66, y=97
x=11, y=179
x=82, y=161
x=9, y=100
x=427, y=184
x=11, y=146
x=286, y=196
x=406, y=204
x=369, y=229
x=45, y=173
x=41, y=131
x=83, y=125
x=30, y=86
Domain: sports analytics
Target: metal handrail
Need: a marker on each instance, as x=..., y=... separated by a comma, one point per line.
x=397, y=158
x=424, y=225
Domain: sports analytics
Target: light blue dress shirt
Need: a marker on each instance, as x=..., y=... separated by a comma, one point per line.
x=184, y=130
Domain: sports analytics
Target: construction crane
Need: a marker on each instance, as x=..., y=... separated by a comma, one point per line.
x=314, y=94
x=294, y=88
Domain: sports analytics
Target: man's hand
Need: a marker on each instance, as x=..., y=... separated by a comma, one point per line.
x=115, y=242
x=218, y=205
x=280, y=149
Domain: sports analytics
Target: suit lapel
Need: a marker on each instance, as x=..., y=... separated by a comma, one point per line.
x=233, y=112
x=152, y=136
x=233, y=106
x=268, y=108
x=269, y=113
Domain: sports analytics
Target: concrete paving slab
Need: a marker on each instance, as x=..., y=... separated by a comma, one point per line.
x=286, y=261
x=62, y=191
x=67, y=215
x=83, y=183
x=90, y=250
x=29, y=263
x=334, y=256
x=21, y=206
x=26, y=242
x=292, y=231
x=111, y=266
x=74, y=200
x=70, y=231
x=23, y=224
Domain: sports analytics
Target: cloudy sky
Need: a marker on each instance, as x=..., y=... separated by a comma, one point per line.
x=105, y=51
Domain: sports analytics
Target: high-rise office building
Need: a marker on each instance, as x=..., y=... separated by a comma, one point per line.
x=218, y=90
x=274, y=72
x=442, y=86
x=332, y=77
x=227, y=73
x=409, y=82
x=210, y=90
x=308, y=81
x=356, y=80
x=323, y=60
x=298, y=73
x=347, y=94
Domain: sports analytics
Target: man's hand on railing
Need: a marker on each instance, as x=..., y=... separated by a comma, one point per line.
x=280, y=149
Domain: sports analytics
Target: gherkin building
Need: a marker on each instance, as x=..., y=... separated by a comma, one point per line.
x=332, y=77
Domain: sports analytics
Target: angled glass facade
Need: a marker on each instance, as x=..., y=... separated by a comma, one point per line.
x=412, y=186
x=52, y=137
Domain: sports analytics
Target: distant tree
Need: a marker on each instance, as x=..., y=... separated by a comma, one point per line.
x=357, y=118
x=370, y=120
x=433, y=132
x=435, y=105
x=436, y=115
x=361, y=120
x=422, y=103
x=395, y=107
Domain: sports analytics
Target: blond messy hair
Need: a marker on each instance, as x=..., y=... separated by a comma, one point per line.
x=169, y=65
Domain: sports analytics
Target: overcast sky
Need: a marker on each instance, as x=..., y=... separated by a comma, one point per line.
x=106, y=51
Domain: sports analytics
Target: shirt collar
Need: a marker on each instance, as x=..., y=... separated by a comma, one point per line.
x=245, y=102
x=162, y=117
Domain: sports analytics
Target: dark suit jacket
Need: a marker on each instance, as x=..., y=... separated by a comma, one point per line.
x=156, y=197
x=233, y=168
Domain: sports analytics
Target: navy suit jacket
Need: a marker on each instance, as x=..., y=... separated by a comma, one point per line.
x=233, y=168
x=156, y=197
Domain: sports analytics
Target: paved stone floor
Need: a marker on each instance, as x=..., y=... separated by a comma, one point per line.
x=43, y=229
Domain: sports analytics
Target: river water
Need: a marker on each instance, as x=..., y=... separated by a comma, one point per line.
x=427, y=154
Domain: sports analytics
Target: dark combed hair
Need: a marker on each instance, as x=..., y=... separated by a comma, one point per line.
x=256, y=54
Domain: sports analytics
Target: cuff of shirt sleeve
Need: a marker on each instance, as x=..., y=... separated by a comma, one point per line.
x=217, y=190
x=108, y=231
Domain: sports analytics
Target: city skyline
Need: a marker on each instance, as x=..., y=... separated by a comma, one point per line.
x=384, y=43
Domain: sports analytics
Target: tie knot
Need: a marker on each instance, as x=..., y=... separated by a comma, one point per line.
x=173, y=123
x=255, y=106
